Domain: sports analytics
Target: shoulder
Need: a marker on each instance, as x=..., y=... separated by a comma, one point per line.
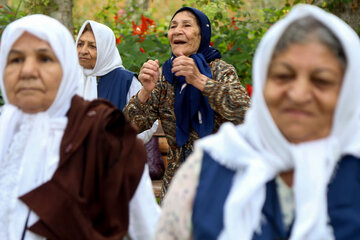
x=219, y=64
x=120, y=72
x=175, y=220
x=81, y=108
x=344, y=198
x=97, y=115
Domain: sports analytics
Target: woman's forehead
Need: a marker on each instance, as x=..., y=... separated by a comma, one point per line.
x=28, y=40
x=184, y=16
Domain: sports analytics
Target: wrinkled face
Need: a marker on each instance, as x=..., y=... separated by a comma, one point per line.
x=32, y=74
x=86, y=49
x=302, y=90
x=184, y=34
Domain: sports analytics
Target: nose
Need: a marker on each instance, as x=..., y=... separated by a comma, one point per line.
x=29, y=68
x=300, y=91
x=178, y=30
x=83, y=49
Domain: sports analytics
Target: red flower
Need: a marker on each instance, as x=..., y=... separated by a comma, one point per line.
x=1, y=6
x=142, y=50
x=211, y=43
x=233, y=24
x=116, y=18
x=119, y=39
x=249, y=89
x=136, y=29
x=143, y=28
x=239, y=49
x=229, y=46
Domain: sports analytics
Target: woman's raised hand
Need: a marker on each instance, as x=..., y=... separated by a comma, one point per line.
x=186, y=66
x=148, y=76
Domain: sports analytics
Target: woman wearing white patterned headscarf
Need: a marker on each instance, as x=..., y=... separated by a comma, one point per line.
x=69, y=169
x=291, y=170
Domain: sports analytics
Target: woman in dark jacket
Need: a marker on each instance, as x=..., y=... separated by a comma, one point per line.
x=194, y=94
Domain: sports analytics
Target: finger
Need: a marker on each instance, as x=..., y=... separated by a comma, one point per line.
x=184, y=73
x=178, y=68
x=154, y=63
x=183, y=61
x=149, y=65
x=146, y=78
x=189, y=68
x=149, y=71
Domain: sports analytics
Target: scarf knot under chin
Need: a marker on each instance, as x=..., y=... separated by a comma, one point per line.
x=192, y=109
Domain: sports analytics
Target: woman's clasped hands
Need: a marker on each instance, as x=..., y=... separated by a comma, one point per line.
x=186, y=66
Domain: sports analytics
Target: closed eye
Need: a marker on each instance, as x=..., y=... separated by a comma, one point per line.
x=282, y=77
x=320, y=82
x=15, y=60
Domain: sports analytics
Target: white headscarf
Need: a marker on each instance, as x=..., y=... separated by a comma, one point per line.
x=258, y=151
x=40, y=154
x=108, y=57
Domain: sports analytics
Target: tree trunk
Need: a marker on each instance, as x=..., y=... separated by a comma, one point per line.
x=63, y=12
x=347, y=11
x=350, y=13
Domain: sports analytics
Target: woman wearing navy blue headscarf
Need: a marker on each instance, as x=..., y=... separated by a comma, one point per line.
x=195, y=93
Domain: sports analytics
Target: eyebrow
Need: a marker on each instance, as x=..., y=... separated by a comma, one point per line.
x=40, y=50
x=184, y=21
x=316, y=71
x=284, y=64
x=82, y=41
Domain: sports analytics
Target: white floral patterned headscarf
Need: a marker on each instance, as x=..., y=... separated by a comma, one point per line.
x=257, y=150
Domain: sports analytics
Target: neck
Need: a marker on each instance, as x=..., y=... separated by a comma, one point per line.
x=288, y=177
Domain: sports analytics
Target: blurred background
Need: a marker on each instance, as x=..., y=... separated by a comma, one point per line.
x=140, y=26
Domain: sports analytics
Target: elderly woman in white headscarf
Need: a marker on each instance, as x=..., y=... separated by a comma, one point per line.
x=104, y=74
x=291, y=171
x=69, y=168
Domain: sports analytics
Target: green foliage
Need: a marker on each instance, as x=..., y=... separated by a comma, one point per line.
x=236, y=33
x=139, y=38
x=40, y=6
x=7, y=15
x=332, y=5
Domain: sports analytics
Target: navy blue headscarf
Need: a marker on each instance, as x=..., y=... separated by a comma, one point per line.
x=192, y=109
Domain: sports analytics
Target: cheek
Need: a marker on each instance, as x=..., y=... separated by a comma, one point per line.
x=93, y=56
x=10, y=79
x=327, y=104
x=56, y=80
x=272, y=94
x=196, y=39
x=52, y=79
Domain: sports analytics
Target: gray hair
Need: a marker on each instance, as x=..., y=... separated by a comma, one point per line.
x=306, y=30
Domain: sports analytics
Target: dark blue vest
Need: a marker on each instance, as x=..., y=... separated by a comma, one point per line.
x=114, y=86
x=214, y=186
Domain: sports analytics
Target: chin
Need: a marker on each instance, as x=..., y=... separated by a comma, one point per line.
x=31, y=106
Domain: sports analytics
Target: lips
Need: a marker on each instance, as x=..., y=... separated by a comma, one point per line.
x=179, y=42
x=29, y=90
x=297, y=112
